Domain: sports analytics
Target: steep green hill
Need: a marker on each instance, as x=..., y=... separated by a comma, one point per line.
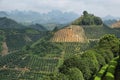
x=96, y=31
x=38, y=27
x=17, y=38
x=94, y=27
x=17, y=35
x=88, y=19
x=9, y=23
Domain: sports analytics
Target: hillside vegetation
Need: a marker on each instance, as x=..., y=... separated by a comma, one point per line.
x=96, y=31
x=17, y=38
x=17, y=35
x=9, y=23
x=86, y=65
x=2, y=37
x=88, y=19
x=75, y=52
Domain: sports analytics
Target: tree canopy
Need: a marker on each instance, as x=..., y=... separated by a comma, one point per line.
x=88, y=19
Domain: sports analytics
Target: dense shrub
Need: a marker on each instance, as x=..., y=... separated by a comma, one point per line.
x=75, y=74
x=101, y=73
x=113, y=62
x=109, y=76
x=100, y=58
x=81, y=63
x=111, y=69
x=106, y=53
x=111, y=42
x=91, y=60
x=88, y=19
x=85, y=69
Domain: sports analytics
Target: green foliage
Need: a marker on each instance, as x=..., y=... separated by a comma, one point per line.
x=111, y=69
x=17, y=38
x=72, y=48
x=97, y=78
x=107, y=71
x=42, y=48
x=81, y=63
x=109, y=76
x=107, y=54
x=75, y=74
x=111, y=42
x=71, y=62
x=100, y=59
x=9, y=23
x=58, y=76
x=113, y=62
x=101, y=73
x=97, y=20
x=87, y=64
x=88, y=19
x=63, y=69
x=92, y=61
x=31, y=31
x=112, y=66
x=96, y=31
x=85, y=13
x=2, y=38
x=35, y=65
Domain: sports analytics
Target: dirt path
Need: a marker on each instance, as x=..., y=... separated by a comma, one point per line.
x=5, y=49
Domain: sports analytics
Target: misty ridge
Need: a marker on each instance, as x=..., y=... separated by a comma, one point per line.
x=54, y=16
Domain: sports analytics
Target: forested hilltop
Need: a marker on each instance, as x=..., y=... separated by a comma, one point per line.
x=88, y=19
x=36, y=53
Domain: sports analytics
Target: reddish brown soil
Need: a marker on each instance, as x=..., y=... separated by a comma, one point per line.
x=72, y=33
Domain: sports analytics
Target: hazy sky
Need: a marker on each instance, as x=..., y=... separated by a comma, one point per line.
x=98, y=7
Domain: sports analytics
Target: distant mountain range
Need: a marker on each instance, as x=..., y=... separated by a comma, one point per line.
x=54, y=16
x=109, y=17
x=109, y=20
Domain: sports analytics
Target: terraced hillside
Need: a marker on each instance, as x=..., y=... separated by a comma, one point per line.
x=17, y=66
x=71, y=33
x=32, y=62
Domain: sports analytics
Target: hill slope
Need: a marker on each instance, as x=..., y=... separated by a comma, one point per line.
x=116, y=25
x=96, y=31
x=71, y=33
x=38, y=27
x=5, y=49
x=9, y=23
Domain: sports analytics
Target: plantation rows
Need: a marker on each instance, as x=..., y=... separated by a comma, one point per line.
x=9, y=74
x=19, y=65
x=31, y=76
x=74, y=48
x=33, y=62
x=107, y=72
x=19, y=75
x=42, y=64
